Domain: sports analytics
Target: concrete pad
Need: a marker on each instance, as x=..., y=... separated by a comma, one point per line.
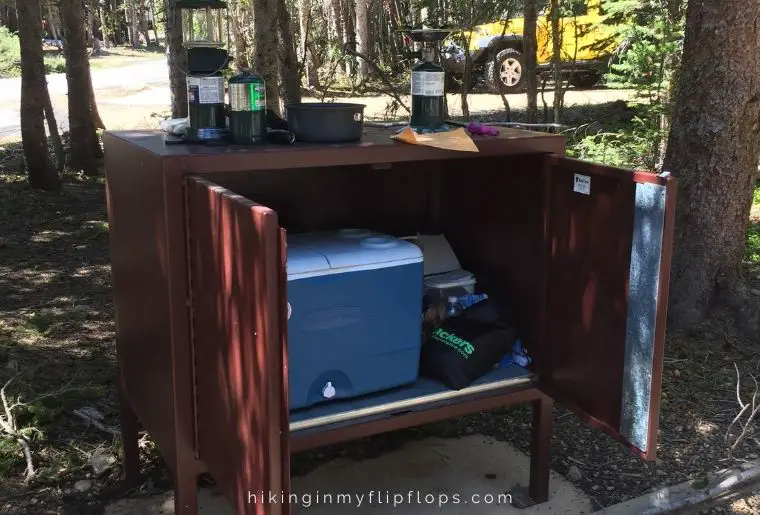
x=470, y=475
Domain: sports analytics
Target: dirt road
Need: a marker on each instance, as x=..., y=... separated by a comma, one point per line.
x=133, y=111
x=134, y=96
x=144, y=74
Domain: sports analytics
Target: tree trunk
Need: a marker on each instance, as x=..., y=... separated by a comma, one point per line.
x=362, y=37
x=103, y=26
x=39, y=169
x=334, y=14
x=177, y=61
x=154, y=13
x=529, y=55
x=53, y=21
x=142, y=9
x=288, y=59
x=92, y=39
x=11, y=19
x=556, y=30
x=396, y=38
x=265, y=28
x=466, y=79
x=348, y=31
x=332, y=21
x=81, y=126
x=97, y=122
x=55, y=136
x=308, y=54
x=238, y=29
x=713, y=150
x=88, y=25
x=133, y=23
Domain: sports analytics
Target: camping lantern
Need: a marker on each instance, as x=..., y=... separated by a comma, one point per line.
x=203, y=23
x=204, y=38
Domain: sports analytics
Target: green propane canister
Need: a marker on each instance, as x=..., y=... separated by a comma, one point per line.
x=205, y=107
x=427, y=94
x=248, y=108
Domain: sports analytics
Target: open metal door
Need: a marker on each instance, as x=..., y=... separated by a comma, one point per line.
x=609, y=235
x=236, y=251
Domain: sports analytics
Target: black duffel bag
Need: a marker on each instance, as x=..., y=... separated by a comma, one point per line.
x=467, y=346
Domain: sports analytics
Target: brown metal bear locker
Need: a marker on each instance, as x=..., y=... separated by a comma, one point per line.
x=198, y=249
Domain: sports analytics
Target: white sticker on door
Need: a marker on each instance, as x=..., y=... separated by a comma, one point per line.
x=582, y=184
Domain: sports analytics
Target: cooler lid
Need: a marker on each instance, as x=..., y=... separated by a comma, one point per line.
x=354, y=249
x=304, y=260
x=374, y=251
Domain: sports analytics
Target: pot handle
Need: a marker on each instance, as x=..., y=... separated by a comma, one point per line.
x=358, y=117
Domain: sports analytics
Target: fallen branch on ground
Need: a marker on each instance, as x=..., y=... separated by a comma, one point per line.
x=752, y=407
x=9, y=426
x=94, y=418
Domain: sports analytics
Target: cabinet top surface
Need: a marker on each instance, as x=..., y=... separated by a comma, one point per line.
x=509, y=141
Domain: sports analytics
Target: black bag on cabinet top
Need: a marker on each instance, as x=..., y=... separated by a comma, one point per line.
x=467, y=346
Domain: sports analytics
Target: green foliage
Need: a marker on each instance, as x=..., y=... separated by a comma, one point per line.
x=753, y=233
x=622, y=149
x=646, y=63
x=467, y=13
x=55, y=64
x=10, y=57
x=753, y=243
x=11, y=459
x=10, y=54
x=629, y=146
x=653, y=39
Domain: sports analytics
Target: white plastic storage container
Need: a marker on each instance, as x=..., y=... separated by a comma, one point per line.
x=354, y=301
x=440, y=287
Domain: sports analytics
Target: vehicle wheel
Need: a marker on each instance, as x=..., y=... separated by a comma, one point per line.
x=506, y=73
x=585, y=80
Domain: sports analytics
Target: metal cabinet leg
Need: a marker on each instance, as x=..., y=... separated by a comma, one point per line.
x=129, y=439
x=540, y=449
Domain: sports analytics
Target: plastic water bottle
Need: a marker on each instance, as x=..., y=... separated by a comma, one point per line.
x=454, y=308
x=457, y=304
x=518, y=356
x=521, y=360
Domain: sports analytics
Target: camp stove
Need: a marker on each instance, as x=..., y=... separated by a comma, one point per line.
x=428, y=81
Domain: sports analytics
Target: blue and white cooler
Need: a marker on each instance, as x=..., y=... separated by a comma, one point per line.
x=354, y=325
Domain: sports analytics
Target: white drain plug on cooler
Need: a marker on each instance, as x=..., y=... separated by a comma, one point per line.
x=328, y=392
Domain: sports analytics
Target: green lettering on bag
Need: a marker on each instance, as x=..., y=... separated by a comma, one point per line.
x=464, y=347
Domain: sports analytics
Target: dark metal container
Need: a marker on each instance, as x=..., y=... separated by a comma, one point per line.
x=315, y=122
x=428, y=101
x=248, y=109
x=205, y=108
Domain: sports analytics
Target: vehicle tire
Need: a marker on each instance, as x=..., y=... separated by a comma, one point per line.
x=585, y=80
x=506, y=73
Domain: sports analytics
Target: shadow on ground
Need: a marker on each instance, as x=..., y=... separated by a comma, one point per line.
x=56, y=327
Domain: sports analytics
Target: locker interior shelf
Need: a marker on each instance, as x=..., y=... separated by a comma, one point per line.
x=422, y=394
